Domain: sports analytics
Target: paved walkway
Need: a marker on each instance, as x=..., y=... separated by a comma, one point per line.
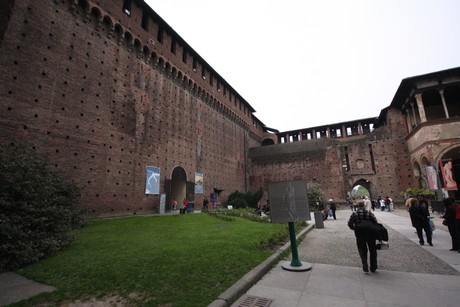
x=408, y=274
x=330, y=284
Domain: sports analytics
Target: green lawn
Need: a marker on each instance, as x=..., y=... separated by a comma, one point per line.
x=180, y=260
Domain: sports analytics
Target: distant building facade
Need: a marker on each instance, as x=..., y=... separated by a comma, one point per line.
x=410, y=144
x=109, y=91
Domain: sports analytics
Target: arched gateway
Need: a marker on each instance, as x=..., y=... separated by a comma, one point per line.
x=177, y=187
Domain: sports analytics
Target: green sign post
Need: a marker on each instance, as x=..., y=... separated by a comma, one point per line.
x=289, y=203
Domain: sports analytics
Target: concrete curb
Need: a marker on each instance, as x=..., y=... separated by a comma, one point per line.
x=233, y=293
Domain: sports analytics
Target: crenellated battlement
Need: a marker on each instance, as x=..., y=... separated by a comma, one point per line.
x=134, y=25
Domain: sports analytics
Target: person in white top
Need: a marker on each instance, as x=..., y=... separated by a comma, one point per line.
x=367, y=203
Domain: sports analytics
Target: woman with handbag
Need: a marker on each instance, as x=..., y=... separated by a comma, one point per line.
x=364, y=223
x=451, y=223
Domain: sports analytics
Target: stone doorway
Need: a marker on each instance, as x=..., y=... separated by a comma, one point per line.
x=176, y=187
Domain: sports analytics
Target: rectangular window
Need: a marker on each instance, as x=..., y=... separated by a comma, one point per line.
x=346, y=159
x=160, y=35
x=194, y=64
x=371, y=154
x=184, y=55
x=127, y=7
x=173, y=46
x=145, y=21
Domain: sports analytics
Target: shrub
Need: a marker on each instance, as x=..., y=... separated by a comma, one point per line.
x=413, y=192
x=242, y=200
x=234, y=197
x=37, y=208
x=249, y=214
x=238, y=203
x=253, y=197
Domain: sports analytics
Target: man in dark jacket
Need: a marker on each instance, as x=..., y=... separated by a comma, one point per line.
x=451, y=223
x=365, y=238
x=333, y=208
x=419, y=217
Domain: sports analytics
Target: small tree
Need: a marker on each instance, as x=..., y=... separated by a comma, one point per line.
x=315, y=195
x=37, y=208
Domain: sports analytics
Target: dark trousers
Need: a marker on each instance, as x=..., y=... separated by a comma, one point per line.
x=365, y=242
x=455, y=237
x=426, y=228
x=333, y=213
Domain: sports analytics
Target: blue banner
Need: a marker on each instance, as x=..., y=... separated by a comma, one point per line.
x=152, y=182
x=198, y=183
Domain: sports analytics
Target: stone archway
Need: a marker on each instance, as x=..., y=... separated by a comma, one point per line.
x=423, y=175
x=372, y=189
x=267, y=142
x=417, y=174
x=178, y=185
x=358, y=186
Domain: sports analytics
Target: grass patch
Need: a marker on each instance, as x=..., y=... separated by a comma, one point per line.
x=181, y=260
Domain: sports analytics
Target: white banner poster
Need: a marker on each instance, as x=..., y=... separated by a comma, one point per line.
x=152, y=181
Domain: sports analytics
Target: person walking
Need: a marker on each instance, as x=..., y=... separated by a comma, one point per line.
x=367, y=203
x=350, y=203
x=451, y=223
x=365, y=236
x=382, y=204
x=419, y=217
x=205, y=203
x=388, y=202
x=408, y=204
x=332, y=207
x=174, y=204
x=422, y=201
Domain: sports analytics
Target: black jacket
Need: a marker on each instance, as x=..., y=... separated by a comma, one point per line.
x=419, y=215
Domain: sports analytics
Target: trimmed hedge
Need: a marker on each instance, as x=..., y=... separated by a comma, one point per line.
x=37, y=209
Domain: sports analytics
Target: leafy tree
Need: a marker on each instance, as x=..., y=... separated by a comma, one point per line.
x=315, y=195
x=37, y=208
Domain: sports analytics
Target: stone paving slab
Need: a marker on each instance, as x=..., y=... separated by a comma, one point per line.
x=15, y=288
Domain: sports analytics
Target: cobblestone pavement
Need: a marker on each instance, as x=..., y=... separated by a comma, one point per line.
x=335, y=244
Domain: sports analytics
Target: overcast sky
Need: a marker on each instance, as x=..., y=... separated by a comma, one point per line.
x=305, y=63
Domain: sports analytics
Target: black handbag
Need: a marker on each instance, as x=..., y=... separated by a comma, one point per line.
x=381, y=232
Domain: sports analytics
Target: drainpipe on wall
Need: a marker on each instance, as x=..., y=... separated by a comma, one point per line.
x=245, y=164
